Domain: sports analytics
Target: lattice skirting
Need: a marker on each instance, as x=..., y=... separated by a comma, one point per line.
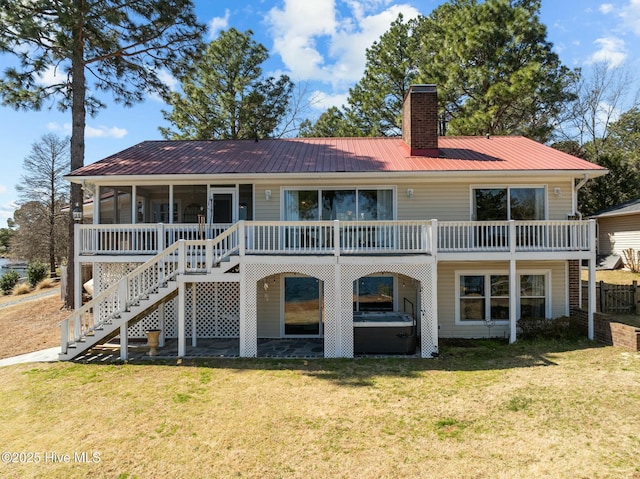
x=217, y=307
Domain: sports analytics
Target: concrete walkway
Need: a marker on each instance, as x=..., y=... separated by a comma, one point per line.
x=45, y=355
x=44, y=294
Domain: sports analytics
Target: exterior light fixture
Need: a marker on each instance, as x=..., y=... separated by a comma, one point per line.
x=76, y=213
x=267, y=195
x=409, y=192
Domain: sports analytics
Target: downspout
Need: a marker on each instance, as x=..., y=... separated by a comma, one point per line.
x=576, y=188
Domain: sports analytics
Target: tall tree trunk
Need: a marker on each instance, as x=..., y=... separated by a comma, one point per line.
x=78, y=113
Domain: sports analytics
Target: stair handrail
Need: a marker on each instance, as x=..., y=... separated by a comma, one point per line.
x=133, y=283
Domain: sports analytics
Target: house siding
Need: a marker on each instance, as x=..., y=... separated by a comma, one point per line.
x=432, y=199
x=269, y=307
x=447, y=297
x=617, y=233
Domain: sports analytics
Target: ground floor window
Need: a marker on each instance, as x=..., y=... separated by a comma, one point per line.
x=373, y=293
x=302, y=306
x=484, y=296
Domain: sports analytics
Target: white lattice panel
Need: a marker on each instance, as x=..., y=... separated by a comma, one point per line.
x=106, y=274
x=171, y=318
x=217, y=310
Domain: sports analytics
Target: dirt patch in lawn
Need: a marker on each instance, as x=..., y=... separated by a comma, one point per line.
x=31, y=323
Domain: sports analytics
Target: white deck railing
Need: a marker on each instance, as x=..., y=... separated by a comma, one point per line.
x=346, y=237
x=515, y=236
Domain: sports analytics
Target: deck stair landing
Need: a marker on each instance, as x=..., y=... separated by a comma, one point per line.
x=142, y=290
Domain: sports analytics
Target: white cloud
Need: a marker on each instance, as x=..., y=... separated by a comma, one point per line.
x=612, y=52
x=52, y=76
x=631, y=15
x=6, y=211
x=90, y=131
x=169, y=80
x=53, y=126
x=322, y=101
x=3, y=189
x=319, y=43
x=105, y=132
x=606, y=8
x=218, y=23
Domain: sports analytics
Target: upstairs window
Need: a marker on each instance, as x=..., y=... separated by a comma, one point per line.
x=338, y=204
x=508, y=203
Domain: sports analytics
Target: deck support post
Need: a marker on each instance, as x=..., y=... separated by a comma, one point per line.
x=194, y=340
x=124, y=342
x=513, y=304
x=182, y=340
x=339, y=340
x=592, y=279
x=161, y=323
x=513, y=284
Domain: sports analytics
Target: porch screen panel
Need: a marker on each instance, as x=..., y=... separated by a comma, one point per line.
x=193, y=201
x=115, y=205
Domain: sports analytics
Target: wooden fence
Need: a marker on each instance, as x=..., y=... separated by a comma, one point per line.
x=614, y=298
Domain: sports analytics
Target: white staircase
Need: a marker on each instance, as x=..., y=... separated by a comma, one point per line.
x=146, y=287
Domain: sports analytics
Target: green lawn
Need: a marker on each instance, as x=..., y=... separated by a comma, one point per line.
x=531, y=410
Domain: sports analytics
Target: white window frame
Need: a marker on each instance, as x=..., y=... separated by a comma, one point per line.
x=487, y=275
x=547, y=288
x=319, y=190
x=508, y=188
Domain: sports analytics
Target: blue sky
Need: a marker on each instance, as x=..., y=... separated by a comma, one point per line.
x=320, y=44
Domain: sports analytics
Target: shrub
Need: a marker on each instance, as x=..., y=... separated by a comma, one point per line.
x=542, y=328
x=46, y=283
x=22, y=288
x=36, y=272
x=8, y=281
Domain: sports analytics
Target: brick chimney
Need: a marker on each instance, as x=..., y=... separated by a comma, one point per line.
x=420, y=120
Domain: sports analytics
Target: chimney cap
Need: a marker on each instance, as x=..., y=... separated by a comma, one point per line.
x=422, y=88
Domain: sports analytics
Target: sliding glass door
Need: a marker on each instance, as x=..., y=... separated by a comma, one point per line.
x=302, y=306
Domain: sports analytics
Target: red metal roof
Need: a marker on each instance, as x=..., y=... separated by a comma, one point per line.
x=330, y=155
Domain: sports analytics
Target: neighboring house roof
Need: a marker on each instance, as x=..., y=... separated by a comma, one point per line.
x=333, y=155
x=626, y=208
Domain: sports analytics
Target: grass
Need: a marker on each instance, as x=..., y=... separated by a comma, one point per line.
x=615, y=276
x=30, y=324
x=483, y=410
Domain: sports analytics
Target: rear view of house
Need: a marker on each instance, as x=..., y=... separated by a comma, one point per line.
x=372, y=244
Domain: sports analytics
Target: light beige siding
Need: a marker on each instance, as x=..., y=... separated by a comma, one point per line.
x=433, y=198
x=269, y=307
x=617, y=233
x=447, y=295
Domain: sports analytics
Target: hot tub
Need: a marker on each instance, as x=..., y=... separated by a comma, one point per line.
x=383, y=333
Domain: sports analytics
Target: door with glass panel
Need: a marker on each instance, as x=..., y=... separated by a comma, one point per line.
x=303, y=306
x=222, y=209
